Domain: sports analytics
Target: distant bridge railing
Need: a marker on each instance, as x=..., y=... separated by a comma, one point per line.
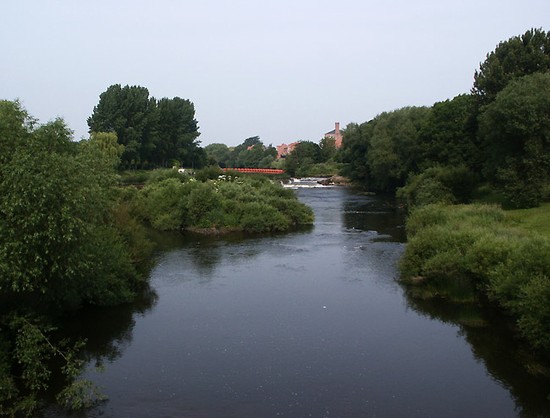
x=255, y=170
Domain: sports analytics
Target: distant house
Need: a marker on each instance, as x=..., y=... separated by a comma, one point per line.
x=336, y=135
x=283, y=150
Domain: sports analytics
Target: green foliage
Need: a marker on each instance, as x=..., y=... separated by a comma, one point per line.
x=328, y=149
x=65, y=240
x=445, y=185
x=518, y=56
x=516, y=131
x=474, y=250
x=203, y=203
x=31, y=343
x=382, y=152
x=536, y=220
x=54, y=239
x=322, y=169
x=449, y=136
x=217, y=154
x=499, y=132
x=208, y=173
x=232, y=203
x=107, y=145
x=153, y=132
x=177, y=132
x=15, y=128
x=162, y=203
x=252, y=153
x=300, y=160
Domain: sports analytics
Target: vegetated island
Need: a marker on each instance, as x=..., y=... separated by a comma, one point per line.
x=214, y=203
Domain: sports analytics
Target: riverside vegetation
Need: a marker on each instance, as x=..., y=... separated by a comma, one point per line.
x=214, y=203
x=71, y=237
x=455, y=165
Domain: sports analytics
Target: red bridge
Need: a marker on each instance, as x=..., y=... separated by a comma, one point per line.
x=255, y=170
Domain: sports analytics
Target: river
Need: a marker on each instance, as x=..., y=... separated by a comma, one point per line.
x=307, y=324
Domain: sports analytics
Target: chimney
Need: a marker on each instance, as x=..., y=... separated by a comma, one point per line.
x=337, y=128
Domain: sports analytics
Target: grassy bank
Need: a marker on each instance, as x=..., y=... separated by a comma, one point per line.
x=536, y=220
x=480, y=254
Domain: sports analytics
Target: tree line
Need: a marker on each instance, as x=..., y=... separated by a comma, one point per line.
x=154, y=133
x=252, y=153
x=498, y=135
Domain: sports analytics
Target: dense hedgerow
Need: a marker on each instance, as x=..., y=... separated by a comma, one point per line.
x=249, y=204
x=468, y=253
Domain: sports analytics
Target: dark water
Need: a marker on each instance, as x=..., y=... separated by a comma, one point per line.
x=311, y=323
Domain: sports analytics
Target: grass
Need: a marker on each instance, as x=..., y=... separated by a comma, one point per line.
x=533, y=220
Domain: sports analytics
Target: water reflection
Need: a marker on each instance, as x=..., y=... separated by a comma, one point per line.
x=509, y=361
x=379, y=215
x=108, y=331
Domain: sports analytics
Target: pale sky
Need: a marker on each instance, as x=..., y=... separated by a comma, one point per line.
x=285, y=70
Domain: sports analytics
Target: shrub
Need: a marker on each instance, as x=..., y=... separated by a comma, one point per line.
x=161, y=174
x=462, y=252
x=162, y=204
x=444, y=185
x=203, y=200
x=209, y=173
x=261, y=217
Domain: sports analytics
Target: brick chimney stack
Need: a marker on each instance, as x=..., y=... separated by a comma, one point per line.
x=337, y=128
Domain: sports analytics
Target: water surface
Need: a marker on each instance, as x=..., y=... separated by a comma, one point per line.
x=311, y=323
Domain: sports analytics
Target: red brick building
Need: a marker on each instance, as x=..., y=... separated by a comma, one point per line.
x=283, y=150
x=336, y=135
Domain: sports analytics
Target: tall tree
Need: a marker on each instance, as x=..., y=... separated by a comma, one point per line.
x=514, y=58
x=15, y=128
x=394, y=147
x=177, y=132
x=131, y=114
x=449, y=136
x=516, y=130
x=56, y=241
x=304, y=155
x=354, y=151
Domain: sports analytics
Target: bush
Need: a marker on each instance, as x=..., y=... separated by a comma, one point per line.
x=251, y=204
x=261, y=217
x=446, y=185
x=162, y=204
x=202, y=205
x=161, y=174
x=211, y=172
x=464, y=252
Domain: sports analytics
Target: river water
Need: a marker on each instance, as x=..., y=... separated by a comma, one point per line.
x=306, y=324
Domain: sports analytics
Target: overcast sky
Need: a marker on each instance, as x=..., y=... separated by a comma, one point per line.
x=285, y=70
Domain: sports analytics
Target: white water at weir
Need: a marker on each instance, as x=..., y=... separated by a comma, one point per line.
x=305, y=183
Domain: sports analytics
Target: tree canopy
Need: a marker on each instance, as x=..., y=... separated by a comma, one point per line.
x=498, y=134
x=382, y=151
x=55, y=237
x=153, y=132
x=518, y=56
x=251, y=153
x=516, y=131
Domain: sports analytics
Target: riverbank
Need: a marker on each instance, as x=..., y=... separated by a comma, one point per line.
x=482, y=254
